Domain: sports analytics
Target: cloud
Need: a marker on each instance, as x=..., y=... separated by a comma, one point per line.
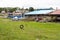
x=30, y=3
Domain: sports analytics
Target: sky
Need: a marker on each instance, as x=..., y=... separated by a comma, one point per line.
x=30, y=3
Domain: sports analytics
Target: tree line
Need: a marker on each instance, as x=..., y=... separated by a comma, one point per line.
x=6, y=9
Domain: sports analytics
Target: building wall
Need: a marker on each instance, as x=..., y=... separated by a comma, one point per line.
x=40, y=18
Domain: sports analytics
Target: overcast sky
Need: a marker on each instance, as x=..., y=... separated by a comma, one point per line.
x=30, y=3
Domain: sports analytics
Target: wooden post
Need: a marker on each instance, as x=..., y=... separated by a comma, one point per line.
x=51, y=18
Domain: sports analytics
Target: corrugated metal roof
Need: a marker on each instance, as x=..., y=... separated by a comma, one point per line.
x=56, y=12
x=39, y=12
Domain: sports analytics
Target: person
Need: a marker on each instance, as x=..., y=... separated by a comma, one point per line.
x=36, y=19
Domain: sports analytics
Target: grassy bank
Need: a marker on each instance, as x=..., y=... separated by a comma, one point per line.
x=10, y=30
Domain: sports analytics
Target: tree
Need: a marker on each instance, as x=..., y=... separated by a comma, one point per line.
x=1, y=10
x=31, y=9
x=26, y=9
x=12, y=9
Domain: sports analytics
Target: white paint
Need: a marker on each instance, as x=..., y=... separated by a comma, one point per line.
x=16, y=17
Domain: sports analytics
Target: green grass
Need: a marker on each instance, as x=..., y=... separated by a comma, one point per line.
x=9, y=30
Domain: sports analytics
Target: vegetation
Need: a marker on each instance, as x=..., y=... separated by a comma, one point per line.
x=11, y=9
x=31, y=9
x=8, y=9
x=10, y=30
